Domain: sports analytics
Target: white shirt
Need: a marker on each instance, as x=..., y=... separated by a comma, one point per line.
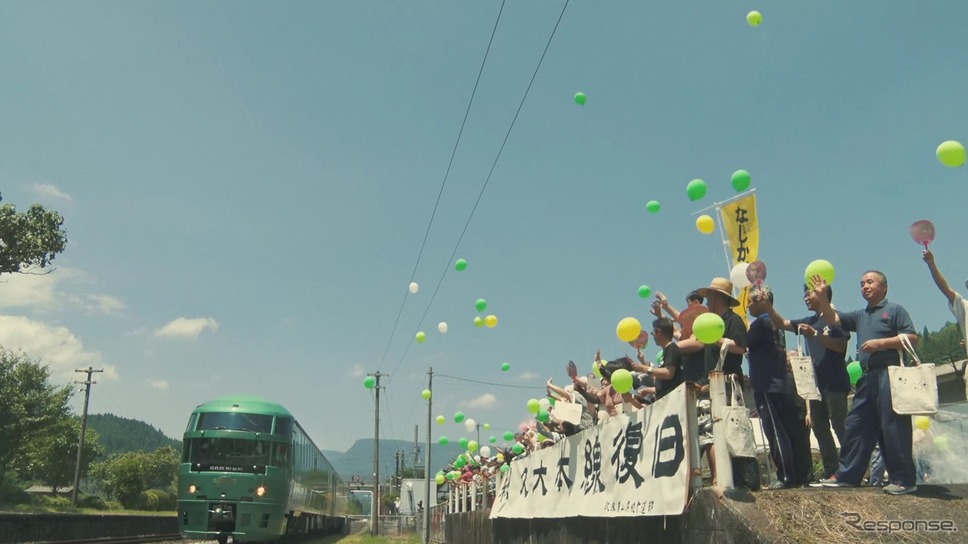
x=959, y=307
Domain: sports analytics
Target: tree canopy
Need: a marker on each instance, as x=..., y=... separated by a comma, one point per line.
x=29, y=239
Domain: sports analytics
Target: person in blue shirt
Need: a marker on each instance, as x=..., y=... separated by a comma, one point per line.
x=871, y=418
x=827, y=348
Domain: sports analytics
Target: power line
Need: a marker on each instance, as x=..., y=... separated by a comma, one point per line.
x=488, y=383
x=453, y=154
x=486, y=180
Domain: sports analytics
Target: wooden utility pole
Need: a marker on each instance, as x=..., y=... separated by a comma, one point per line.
x=80, y=446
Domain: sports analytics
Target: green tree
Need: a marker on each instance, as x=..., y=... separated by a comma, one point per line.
x=51, y=457
x=31, y=238
x=29, y=404
x=128, y=476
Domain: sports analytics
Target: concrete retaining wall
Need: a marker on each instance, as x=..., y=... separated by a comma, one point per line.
x=54, y=527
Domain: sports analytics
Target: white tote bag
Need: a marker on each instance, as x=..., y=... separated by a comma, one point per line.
x=803, y=375
x=914, y=389
x=739, y=428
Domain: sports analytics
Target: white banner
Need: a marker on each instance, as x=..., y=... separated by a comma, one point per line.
x=636, y=464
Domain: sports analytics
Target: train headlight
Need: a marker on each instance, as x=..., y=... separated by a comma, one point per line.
x=192, y=489
x=260, y=491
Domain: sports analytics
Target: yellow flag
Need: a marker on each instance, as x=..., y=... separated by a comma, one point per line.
x=742, y=231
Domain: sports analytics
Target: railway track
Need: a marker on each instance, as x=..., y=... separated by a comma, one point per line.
x=120, y=540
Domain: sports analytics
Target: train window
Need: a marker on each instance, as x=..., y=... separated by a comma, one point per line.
x=281, y=459
x=229, y=451
x=234, y=421
x=283, y=426
x=191, y=422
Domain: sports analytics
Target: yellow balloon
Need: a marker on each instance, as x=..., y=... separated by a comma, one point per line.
x=705, y=224
x=628, y=329
x=754, y=18
x=922, y=422
x=491, y=321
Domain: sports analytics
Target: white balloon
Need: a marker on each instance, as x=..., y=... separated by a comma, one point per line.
x=738, y=276
x=414, y=287
x=470, y=425
x=485, y=451
x=545, y=404
x=442, y=327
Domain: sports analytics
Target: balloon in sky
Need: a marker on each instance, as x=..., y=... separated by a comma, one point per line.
x=738, y=276
x=754, y=18
x=696, y=189
x=442, y=327
x=472, y=445
x=414, y=287
x=481, y=305
x=705, y=224
x=922, y=422
x=821, y=268
x=708, y=328
x=628, y=329
x=460, y=265
x=463, y=443
x=508, y=435
x=517, y=448
x=485, y=451
x=491, y=321
x=421, y=336
x=544, y=416
x=740, y=180
x=441, y=420
x=470, y=424
x=622, y=380
x=951, y=153
x=580, y=98
x=756, y=272
x=534, y=405
x=597, y=368
x=922, y=232
x=443, y=441
x=426, y=394
x=645, y=291
x=478, y=321
x=487, y=426
x=854, y=371
x=458, y=417
x=492, y=439
x=369, y=382
x=653, y=206
x=505, y=367
x=440, y=478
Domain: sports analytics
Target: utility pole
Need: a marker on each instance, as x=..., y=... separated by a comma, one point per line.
x=375, y=505
x=80, y=445
x=426, y=507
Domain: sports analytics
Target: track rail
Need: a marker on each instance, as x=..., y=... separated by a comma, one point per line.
x=119, y=540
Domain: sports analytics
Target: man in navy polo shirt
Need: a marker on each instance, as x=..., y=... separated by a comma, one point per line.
x=871, y=418
x=827, y=347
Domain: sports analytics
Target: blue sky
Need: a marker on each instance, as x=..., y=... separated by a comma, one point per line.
x=246, y=185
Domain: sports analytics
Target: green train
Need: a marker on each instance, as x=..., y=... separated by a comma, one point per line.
x=250, y=473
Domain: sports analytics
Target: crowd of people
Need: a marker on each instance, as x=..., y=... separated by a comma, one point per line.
x=864, y=426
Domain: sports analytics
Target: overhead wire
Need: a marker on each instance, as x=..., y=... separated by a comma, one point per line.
x=450, y=163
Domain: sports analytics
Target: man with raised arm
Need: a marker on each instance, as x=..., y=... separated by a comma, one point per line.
x=871, y=418
x=956, y=303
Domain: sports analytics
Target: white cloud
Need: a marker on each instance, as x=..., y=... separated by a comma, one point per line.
x=159, y=384
x=486, y=400
x=357, y=371
x=104, y=304
x=529, y=376
x=53, y=290
x=51, y=344
x=183, y=327
x=48, y=190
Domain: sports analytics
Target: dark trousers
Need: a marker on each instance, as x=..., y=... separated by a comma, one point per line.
x=829, y=411
x=770, y=407
x=795, y=422
x=872, y=420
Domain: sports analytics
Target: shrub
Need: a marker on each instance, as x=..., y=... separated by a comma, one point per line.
x=92, y=501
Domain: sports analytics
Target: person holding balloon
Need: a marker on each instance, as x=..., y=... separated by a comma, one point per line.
x=668, y=376
x=827, y=348
x=956, y=303
x=871, y=418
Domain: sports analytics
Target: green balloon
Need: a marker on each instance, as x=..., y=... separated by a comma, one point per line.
x=533, y=406
x=544, y=416
x=460, y=265
x=951, y=153
x=505, y=467
x=478, y=321
x=443, y=441
x=426, y=394
x=708, y=328
x=517, y=448
x=696, y=189
x=505, y=366
x=463, y=443
x=740, y=180
x=580, y=98
x=481, y=305
x=369, y=382
x=653, y=206
x=821, y=268
x=645, y=291
x=440, y=479
x=509, y=436
x=622, y=380
x=458, y=417
x=487, y=426
x=460, y=461
x=492, y=439
x=441, y=420
x=421, y=336
x=472, y=446
x=941, y=442
x=854, y=371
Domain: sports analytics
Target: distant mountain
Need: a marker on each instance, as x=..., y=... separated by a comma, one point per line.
x=121, y=435
x=358, y=460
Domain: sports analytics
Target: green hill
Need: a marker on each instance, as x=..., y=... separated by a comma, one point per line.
x=121, y=435
x=358, y=460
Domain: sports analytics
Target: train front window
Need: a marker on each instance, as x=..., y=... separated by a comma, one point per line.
x=234, y=421
x=229, y=452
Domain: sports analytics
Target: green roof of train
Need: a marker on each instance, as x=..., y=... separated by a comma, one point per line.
x=244, y=403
